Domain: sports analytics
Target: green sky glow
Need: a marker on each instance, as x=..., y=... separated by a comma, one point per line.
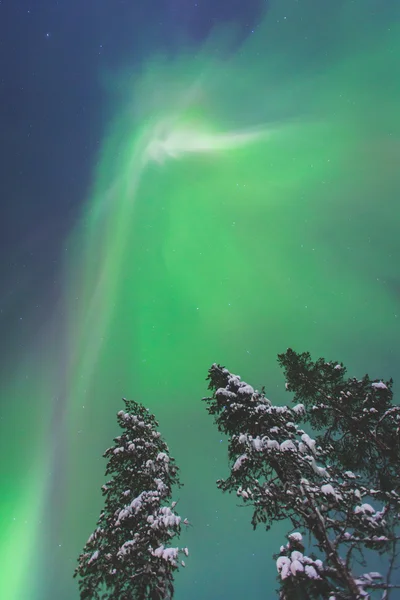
x=229, y=255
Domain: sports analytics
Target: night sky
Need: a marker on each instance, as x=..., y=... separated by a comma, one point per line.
x=182, y=183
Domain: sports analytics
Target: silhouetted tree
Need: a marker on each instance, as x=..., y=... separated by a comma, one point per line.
x=129, y=556
x=338, y=487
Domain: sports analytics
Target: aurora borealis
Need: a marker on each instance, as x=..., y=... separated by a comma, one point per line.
x=244, y=198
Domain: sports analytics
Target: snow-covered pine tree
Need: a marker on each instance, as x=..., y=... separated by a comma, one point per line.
x=129, y=556
x=355, y=417
x=284, y=473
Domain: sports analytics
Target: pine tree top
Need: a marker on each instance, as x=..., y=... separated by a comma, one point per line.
x=129, y=555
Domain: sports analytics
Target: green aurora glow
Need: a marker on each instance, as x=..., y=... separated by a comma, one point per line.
x=229, y=255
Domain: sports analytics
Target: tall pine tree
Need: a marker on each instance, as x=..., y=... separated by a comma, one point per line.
x=129, y=555
x=339, y=487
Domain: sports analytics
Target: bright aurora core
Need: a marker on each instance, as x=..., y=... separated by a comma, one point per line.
x=244, y=200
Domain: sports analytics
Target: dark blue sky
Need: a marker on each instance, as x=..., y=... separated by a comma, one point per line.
x=52, y=115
